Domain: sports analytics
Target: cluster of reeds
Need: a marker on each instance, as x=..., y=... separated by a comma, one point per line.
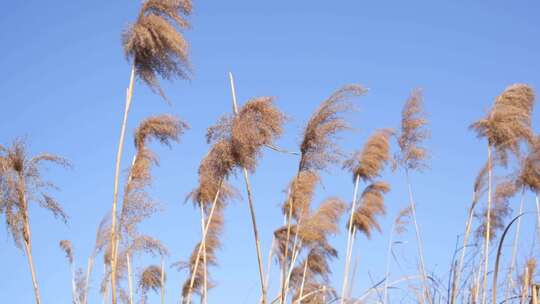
x=302, y=247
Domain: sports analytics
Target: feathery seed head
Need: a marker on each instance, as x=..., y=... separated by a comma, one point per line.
x=318, y=147
x=155, y=44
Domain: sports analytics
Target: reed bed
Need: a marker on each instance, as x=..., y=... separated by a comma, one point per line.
x=304, y=247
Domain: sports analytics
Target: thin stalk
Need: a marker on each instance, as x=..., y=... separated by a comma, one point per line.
x=89, y=267
x=426, y=293
x=203, y=240
x=488, y=228
x=353, y=276
x=129, y=95
x=459, y=268
x=509, y=280
x=162, y=282
x=388, y=256
x=130, y=281
x=350, y=240
x=303, y=282
x=105, y=293
x=537, y=215
x=251, y=205
x=286, y=255
x=27, y=236
x=269, y=264
x=73, y=286
x=205, y=269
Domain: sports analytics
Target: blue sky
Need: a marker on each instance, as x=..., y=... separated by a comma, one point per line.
x=63, y=84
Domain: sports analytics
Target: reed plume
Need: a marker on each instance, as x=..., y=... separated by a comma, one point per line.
x=508, y=123
x=413, y=133
x=211, y=195
x=258, y=123
x=318, y=147
x=266, y=123
x=21, y=183
x=155, y=44
x=412, y=156
x=312, y=232
x=150, y=279
x=318, y=150
x=137, y=205
x=155, y=47
x=78, y=279
x=365, y=165
x=371, y=205
x=505, y=127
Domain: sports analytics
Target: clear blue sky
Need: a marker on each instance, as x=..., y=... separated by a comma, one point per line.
x=63, y=82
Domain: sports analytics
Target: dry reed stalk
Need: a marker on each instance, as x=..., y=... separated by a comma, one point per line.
x=187, y=295
x=156, y=48
x=130, y=282
x=349, y=240
x=412, y=157
x=478, y=191
x=250, y=203
x=513, y=259
x=399, y=226
x=318, y=150
x=365, y=165
x=506, y=126
x=488, y=228
x=21, y=183
x=497, y=260
x=162, y=282
x=205, y=268
x=127, y=106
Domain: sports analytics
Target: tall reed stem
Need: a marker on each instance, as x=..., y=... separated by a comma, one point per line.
x=203, y=240
x=130, y=280
x=459, y=268
x=388, y=256
x=162, y=281
x=129, y=95
x=205, y=269
x=509, y=281
x=251, y=205
x=537, y=215
x=350, y=240
x=426, y=293
x=89, y=267
x=27, y=235
x=488, y=228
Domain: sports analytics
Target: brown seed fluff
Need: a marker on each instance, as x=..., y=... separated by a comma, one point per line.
x=318, y=147
x=155, y=44
x=368, y=163
x=258, y=123
x=413, y=133
x=21, y=174
x=371, y=205
x=509, y=121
